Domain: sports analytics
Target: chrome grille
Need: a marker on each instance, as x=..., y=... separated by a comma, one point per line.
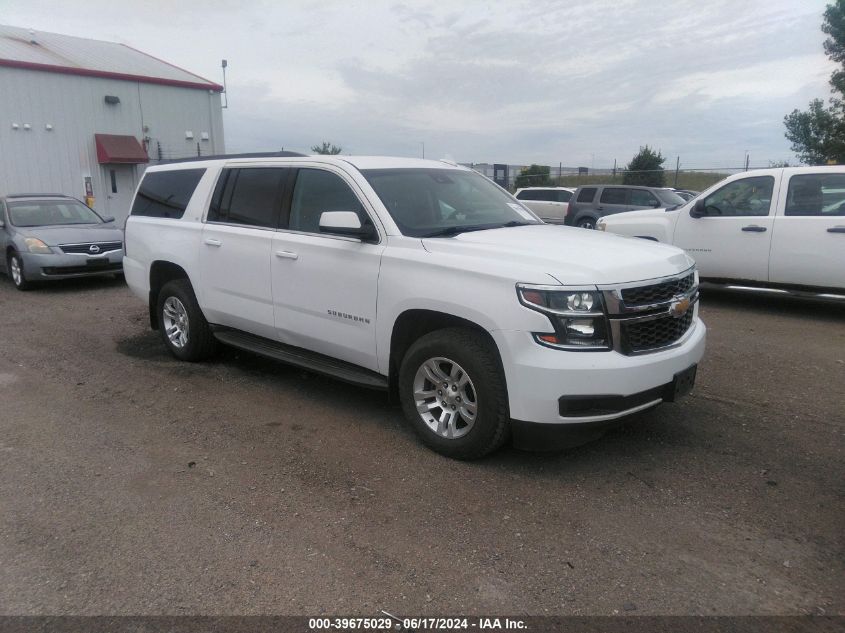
x=85, y=249
x=659, y=292
x=652, y=334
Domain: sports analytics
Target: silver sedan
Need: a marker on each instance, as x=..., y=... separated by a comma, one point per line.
x=56, y=237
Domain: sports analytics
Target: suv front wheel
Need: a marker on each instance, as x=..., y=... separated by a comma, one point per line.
x=586, y=223
x=182, y=324
x=453, y=392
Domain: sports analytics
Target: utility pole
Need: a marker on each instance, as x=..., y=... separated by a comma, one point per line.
x=677, y=169
x=614, y=169
x=423, y=148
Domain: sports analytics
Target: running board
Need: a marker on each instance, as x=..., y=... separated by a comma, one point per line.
x=783, y=292
x=312, y=361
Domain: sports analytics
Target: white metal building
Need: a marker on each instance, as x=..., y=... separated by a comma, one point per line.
x=81, y=116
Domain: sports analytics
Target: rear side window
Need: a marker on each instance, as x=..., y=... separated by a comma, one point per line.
x=165, y=194
x=587, y=194
x=248, y=196
x=614, y=195
x=816, y=194
x=563, y=195
x=526, y=195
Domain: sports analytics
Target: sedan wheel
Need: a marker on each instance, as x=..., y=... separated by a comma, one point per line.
x=15, y=268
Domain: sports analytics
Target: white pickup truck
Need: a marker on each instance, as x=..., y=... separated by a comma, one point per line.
x=775, y=230
x=418, y=277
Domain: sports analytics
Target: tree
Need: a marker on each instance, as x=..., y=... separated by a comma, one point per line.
x=326, y=148
x=646, y=169
x=818, y=134
x=533, y=176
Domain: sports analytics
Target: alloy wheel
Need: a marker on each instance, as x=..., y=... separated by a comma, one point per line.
x=175, y=321
x=445, y=398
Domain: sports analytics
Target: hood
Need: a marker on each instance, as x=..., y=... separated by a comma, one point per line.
x=570, y=255
x=73, y=234
x=641, y=213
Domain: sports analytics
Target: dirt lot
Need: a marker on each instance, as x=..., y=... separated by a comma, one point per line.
x=131, y=483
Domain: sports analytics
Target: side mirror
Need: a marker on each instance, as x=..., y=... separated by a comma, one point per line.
x=108, y=218
x=697, y=210
x=346, y=223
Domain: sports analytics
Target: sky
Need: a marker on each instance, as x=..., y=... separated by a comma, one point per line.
x=539, y=81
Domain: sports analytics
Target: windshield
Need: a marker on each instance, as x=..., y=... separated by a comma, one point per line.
x=432, y=202
x=51, y=213
x=669, y=198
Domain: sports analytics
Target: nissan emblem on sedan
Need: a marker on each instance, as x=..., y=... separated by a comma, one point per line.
x=94, y=249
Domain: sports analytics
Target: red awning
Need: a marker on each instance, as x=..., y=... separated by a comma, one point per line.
x=119, y=148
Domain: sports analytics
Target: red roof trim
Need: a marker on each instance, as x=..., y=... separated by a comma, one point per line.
x=119, y=148
x=104, y=74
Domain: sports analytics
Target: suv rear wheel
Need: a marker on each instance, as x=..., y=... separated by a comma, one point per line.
x=182, y=324
x=452, y=391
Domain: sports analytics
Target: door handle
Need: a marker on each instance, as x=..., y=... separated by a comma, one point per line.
x=754, y=229
x=212, y=242
x=836, y=229
x=286, y=255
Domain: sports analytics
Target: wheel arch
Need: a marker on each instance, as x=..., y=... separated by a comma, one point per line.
x=161, y=272
x=414, y=323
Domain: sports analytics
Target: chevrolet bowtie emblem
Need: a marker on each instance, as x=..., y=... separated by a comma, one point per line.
x=679, y=307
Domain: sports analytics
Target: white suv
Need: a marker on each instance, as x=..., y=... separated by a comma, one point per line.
x=418, y=277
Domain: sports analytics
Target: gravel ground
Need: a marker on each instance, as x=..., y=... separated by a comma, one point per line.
x=131, y=483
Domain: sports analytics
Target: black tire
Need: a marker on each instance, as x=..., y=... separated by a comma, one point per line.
x=200, y=343
x=586, y=223
x=23, y=284
x=479, y=358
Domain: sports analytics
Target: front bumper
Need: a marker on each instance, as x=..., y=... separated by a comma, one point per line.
x=539, y=379
x=40, y=267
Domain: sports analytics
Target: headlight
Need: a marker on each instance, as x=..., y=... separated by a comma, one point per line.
x=577, y=317
x=34, y=245
x=601, y=225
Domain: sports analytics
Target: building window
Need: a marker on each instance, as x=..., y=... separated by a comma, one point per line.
x=113, y=175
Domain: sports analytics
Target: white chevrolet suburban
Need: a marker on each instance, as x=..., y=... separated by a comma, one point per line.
x=774, y=230
x=418, y=277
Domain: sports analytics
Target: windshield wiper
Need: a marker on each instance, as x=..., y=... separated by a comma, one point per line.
x=449, y=231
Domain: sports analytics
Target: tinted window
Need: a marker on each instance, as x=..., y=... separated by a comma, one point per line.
x=614, y=195
x=563, y=195
x=816, y=194
x=749, y=196
x=165, y=194
x=528, y=194
x=587, y=194
x=251, y=197
x=317, y=191
x=643, y=198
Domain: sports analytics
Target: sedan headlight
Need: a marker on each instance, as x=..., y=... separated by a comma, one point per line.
x=34, y=245
x=601, y=225
x=577, y=316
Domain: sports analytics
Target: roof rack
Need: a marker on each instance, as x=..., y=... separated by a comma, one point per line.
x=227, y=156
x=37, y=195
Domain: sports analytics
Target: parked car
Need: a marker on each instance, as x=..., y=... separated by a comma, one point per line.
x=549, y=203
x=591, y=202
x=419, y=277
x=46, y=236
x=778, y=229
